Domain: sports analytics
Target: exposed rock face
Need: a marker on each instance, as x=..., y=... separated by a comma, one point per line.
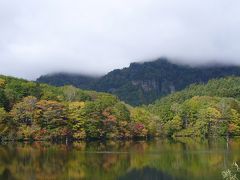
x=147, y=85
x=143, y=83
x=172, y=89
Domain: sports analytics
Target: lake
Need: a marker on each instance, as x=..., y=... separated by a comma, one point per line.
x=179, y=159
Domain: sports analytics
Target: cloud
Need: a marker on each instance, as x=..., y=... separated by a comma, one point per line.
x=94, y=37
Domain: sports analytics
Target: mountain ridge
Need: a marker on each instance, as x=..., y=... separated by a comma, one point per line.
x=145, y=82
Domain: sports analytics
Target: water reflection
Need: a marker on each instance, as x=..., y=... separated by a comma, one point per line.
x=182, y=158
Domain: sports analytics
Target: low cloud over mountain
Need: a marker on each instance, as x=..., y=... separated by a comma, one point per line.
x=94, y=37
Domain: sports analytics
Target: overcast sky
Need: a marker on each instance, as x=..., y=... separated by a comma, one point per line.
x=96, y=36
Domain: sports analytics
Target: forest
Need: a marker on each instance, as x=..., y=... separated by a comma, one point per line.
x=35, y=111
x=211, y=109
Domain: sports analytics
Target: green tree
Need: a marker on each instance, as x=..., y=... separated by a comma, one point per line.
x=23, y=112
x=76, y=119
x=23, y=116
x=234, y=124
x=4, y=127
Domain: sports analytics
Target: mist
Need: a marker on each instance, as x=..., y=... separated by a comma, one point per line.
x=93, y=37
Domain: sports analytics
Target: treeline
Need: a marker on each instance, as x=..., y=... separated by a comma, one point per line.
x=201, y=110
x=34, y=111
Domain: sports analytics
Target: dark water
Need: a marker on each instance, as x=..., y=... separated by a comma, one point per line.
x=112, y=160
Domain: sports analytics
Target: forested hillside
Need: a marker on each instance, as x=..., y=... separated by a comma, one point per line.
x=33, y=111
x=62, y=79
x=143, y=83
x=201, y=110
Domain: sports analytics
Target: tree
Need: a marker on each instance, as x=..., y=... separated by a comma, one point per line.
x=71, y=93
x=2, y=83
x=147, y=119
x=234, y=124
x=76, y=119
x=23, y=116
x=173, y=126
x=214, y=125
x=23, y=112
x=51, y=116
x=4, y=128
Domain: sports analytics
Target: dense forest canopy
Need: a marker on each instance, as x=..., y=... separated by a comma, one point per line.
x=30, y=110
x=35, y=111
x=143, y=83
x=201, y=110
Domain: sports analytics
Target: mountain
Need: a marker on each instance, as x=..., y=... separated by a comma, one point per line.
x=143, y=83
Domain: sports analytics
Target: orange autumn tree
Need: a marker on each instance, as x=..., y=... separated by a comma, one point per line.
x=51, y=116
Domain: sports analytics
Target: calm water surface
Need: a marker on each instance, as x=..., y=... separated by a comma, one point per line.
x=119, y=160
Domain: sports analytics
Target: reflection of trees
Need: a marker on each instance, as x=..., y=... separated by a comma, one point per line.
x=183, y=158
x=146, y=174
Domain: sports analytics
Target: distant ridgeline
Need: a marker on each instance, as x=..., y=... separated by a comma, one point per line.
x=35, y=111
x=61, y=79
x=143, y=83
